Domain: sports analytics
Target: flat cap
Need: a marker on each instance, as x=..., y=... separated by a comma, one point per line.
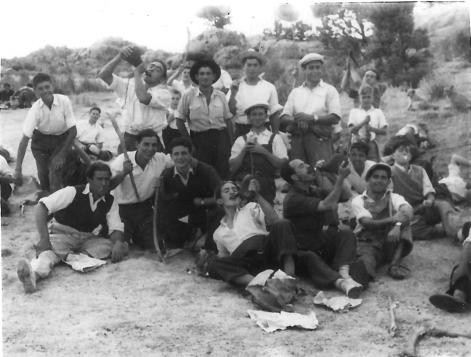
x=256, y=105
x=378, y=166
x=310, y=57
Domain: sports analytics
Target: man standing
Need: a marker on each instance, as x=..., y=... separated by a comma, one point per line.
x=146, y=165
x=186, y=193
x=383, y=230
x=252, y=89
x=207, y=113
x=146, y=97
x=90, y=136
x=50, y=124
x=259, y=153
x=313, y=112
x=83, y=217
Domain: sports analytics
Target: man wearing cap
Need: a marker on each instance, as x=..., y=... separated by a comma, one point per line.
x=252, y=89
x=146, y=97
x=313, y=112
x=383, y=230
x=259, y=153
x=206, y=111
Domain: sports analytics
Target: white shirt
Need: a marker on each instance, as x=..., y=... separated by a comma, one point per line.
x=183, y=179
x=89, y=134
x=377, y=121
x=248, y=95
x=321, y=100
x=358, y=181
x=54, y=121
x=225, y=81
x=64, y=197
x=249, y=221
x=180, y=86
x=278, y=146
x=138, y=116
x=455, y=183
x=146, y=180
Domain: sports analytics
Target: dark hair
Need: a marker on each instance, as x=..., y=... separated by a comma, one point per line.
x=176, y=91
x=402, y=141
x=217, y=191
x=41, y=77
x=360, y=146
x=286, y=172
x=7, y=84
x=181, y=141
x=97, y=166
x=164, y=65
x=146, y=133
x=95, y=108
x=374, y=71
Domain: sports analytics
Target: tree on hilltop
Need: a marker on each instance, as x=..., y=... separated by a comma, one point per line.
x=217, y=16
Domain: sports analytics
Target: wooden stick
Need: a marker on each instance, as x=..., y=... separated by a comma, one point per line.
x=157, y=239
x=125, y=153
x=392, y=317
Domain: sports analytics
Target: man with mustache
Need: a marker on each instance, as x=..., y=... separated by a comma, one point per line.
x=146, y=97
x=50, y=124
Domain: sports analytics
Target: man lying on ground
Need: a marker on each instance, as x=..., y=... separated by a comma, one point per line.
x=90, y=136
x=259, y=153
x=50, y=124
x=186, y=193
x=84, y=217
x=413, y=183
x=458, y=296
x=146, y=165
x=332, y=251
x=383, y=230
x=6, y=180
x=459, y=189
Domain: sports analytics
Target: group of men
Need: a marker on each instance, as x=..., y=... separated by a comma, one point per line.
x=206, y=162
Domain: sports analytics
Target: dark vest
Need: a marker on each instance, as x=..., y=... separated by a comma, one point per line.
x=409, y=184
x=79, y=215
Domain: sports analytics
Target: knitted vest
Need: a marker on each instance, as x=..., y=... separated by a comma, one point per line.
x=409, y=184
x=79, y=214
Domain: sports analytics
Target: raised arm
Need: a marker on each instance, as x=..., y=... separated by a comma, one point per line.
x=330, y=202
x=106, y=73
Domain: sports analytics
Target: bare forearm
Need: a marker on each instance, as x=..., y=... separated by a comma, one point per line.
x=106, y=72
x=233, y=103
x=41, y=217
x=333, y=197
x=377, y=223
x=140, y=89
x=117, y=179
x=270, y=214
x=236, y=163
x=275, y=122
x=328, y=119
x=71, y=135
x=21, y=152
x=181, y=127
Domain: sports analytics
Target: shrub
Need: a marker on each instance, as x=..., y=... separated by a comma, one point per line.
x=434, y=86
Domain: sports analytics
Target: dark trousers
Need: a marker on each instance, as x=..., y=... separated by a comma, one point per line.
x=424, y=227
x=130, y=141
x=338, y=248
x=168, y=134
x=310, y=148
x=44, y=147
x=5, y=191
x=214, y=148
x=138, y=227
x=256, y=254
x=176, y=233
x=461, y=274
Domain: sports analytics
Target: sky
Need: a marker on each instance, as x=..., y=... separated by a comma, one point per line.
x=157, y=24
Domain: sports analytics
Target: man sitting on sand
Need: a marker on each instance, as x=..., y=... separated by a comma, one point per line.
x=146, y=165
x=458, y=296
x=83, y=217
x=412, y=183
x=6, y=180
x=460, y=189
x=383, y=231
x=90, y=136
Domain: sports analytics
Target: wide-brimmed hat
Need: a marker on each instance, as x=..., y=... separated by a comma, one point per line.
x=256, y=105
x=252, y=54
x=378, y=166
x=311, y=57
x=205, y=63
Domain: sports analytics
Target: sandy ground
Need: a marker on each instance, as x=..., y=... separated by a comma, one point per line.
x=140, y=307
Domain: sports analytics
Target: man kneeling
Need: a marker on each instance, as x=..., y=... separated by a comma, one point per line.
x=83, y=216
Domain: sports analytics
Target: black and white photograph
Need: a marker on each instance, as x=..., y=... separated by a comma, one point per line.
x=235, y=178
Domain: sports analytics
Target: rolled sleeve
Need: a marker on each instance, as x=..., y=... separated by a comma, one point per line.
x=117, y=164
x=120, y=86
x=113, y=219
x=397, y=201
x=59, y=199
x=279, y=148
x=289, y=105
x=161, y=98
x=237, y=147
x=274, y=105
x=183, y=111
x=225, y=109
x=30, y=122
x=257, y=213
x=359, y=209
x=382, y=122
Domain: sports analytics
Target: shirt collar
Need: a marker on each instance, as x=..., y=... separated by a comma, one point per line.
x=199, y=93
x=86, y=191
x=320, y=84
x=365, y=194
x=54, y=101
x=400, y=167
x=175, y=171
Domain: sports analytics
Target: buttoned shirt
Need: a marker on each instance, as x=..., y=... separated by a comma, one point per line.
x=136, y=115
x=248, y=221
x=321, y=100
x=64, y=197
x=200, y=116
x=359, y=210
x=377, y=121
x=89, y=134
x=183, y=179
x=249, y=94
x=146, y=179
x=427, y=186
x=54, y=121
x=263, y=138
x=357, y=181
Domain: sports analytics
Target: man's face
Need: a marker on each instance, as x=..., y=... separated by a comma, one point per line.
x=357, y=157
x=252, y=68
x=181, y=156
x=205, y=76
x=230, y=195
x=366, y=99
x=370, y=77
x=175, y=100
x=303, y=171
x=94, y=116
x=100, y=183
x=313, y=71
x=257, y=117
x=402, y=155
x=154, y=73
x=378, y=181
x=186, y=74
x=147, y=147
x=44, y=90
